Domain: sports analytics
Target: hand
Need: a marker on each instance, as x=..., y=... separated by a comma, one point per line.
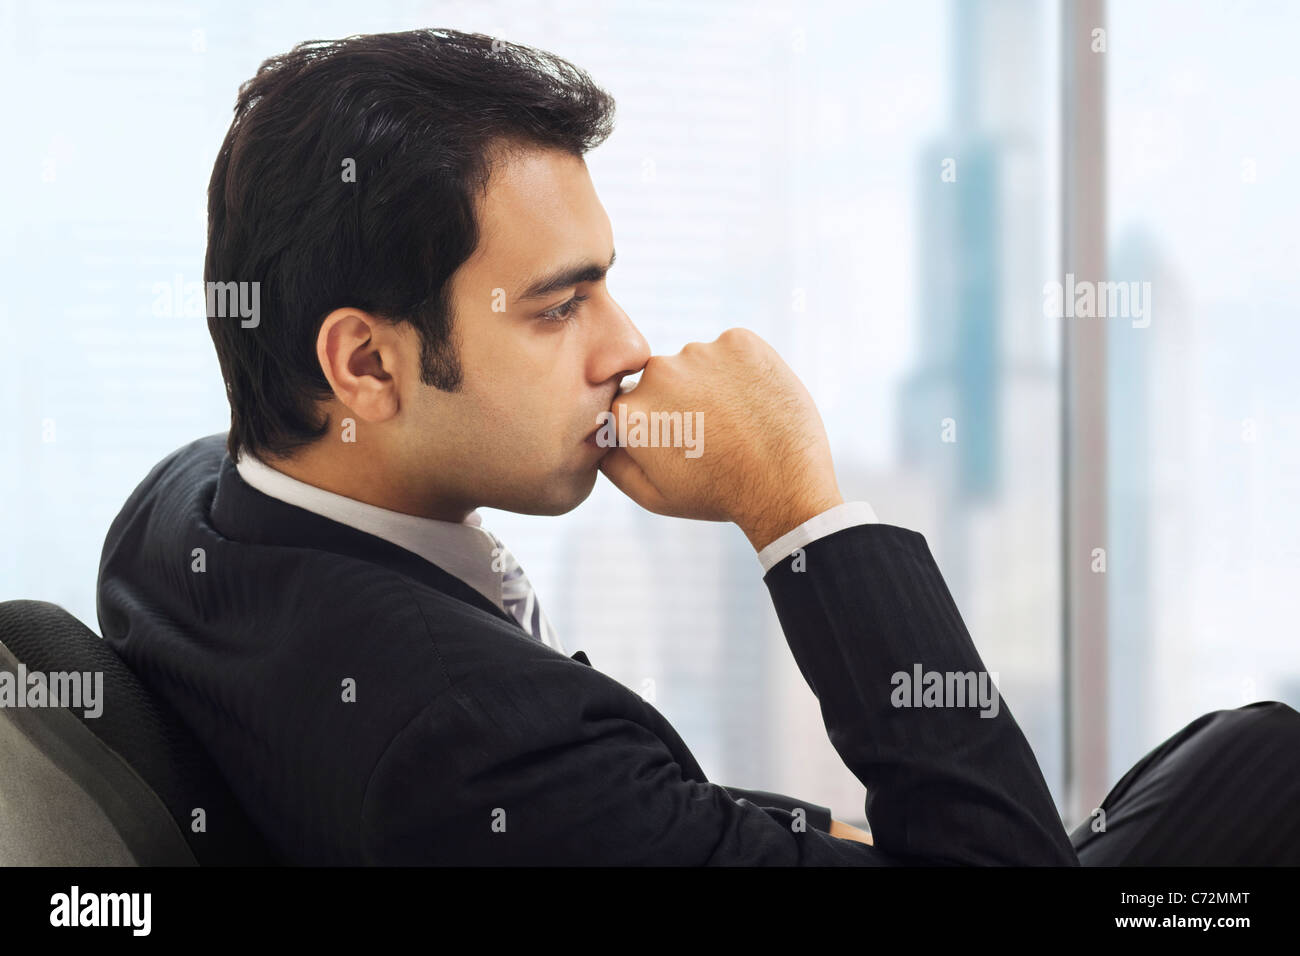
x=846, y=832
x=764, y=459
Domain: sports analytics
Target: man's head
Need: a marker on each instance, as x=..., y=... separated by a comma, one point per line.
x=397, y=198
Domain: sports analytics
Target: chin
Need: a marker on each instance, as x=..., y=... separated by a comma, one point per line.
x=579, y=490
x=562, y=493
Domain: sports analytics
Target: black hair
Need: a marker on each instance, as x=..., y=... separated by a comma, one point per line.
x=421, y=114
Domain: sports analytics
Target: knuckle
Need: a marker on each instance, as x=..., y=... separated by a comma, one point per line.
x=655, y=365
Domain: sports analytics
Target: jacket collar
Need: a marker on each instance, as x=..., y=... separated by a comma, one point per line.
x=242, y=513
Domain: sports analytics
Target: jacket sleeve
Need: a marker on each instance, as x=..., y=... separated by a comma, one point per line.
x=492, y=773
x=945, y=784
x=818, y=816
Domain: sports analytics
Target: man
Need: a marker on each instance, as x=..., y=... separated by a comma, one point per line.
x=412, y=218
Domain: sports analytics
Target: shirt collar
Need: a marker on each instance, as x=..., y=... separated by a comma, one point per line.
x=464, y=550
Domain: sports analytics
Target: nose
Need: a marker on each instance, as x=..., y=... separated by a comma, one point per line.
x=623, y=349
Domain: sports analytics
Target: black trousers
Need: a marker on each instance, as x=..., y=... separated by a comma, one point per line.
x=1223, y=791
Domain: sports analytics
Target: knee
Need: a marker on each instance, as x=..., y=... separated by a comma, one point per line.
x=1273, y=718
x=1271, y=710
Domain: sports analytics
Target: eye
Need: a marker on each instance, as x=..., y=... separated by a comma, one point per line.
x=565, y=312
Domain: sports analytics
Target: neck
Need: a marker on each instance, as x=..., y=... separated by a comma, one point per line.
x=363, y=475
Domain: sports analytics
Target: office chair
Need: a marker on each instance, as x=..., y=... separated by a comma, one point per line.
x=119, y=789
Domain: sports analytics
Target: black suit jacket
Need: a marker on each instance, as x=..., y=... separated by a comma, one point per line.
x=367, y=707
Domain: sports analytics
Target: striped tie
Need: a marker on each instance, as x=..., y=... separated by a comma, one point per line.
x=520, y=599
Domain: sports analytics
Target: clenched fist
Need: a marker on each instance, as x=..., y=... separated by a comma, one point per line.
x=762, y=459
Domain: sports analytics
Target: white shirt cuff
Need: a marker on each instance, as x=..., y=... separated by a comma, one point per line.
x=819, y=526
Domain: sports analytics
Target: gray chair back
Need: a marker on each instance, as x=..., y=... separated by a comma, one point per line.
x=117, y=789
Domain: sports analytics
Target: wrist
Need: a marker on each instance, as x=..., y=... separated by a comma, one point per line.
x=766, y=527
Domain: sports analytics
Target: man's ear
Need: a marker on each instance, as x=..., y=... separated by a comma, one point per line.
x=358, y=354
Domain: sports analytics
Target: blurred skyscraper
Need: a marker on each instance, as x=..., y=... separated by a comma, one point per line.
x=978, y=414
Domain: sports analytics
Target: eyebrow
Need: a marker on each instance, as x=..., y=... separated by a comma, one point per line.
x=564, y=278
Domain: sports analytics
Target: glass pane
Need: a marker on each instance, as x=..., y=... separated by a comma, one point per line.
x=1204, y=413
x=871, y=187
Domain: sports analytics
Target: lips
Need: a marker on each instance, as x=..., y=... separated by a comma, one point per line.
x=590, y=440
x=607, y=410
x=591, y=436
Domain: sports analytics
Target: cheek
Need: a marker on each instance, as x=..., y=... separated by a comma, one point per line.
x=528, y=404
x=517, y=428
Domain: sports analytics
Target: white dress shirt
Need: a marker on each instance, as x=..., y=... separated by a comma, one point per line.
x=465, y=550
